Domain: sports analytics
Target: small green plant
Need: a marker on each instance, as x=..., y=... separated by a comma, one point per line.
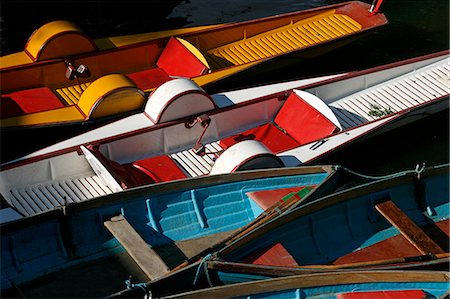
x=378, y=111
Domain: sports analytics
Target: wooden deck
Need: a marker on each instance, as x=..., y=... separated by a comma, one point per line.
x=399, y=94
x=304, y=33
x=37, y=198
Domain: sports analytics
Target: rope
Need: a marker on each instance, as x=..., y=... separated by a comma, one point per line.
x=418, y=170
x=203, y=263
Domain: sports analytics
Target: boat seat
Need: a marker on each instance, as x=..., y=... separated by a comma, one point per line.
x=149, y=79
x=388, y=294
x=160, y=168
x=177, y=99
x=302, y=118
x=245, y=155
x=180, y=58
x=127, y=176
x=29, y=101
x=274, y=255
x=303, y=33
x=267, y=198
x=268, y=134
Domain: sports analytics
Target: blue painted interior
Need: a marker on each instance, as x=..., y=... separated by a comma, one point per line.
x=326, y=234
x=159, y=219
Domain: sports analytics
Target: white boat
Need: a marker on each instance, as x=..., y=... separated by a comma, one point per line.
x=264, y=127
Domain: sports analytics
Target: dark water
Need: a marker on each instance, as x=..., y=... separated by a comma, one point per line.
x=416, y=27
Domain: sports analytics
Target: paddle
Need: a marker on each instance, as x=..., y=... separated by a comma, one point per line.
x=282, y=271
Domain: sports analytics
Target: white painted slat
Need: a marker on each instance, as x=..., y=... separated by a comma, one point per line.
x=395, y=105
x=69, y=192
x=42, y=201
x=353, y=108
x=202, y=161
x=380, y=103
x=63, y=193
x=189, y=164
x=82, y=189
x=48, y=195
x=89, y=187
x=185, y=166
x=80, y=196
x=22, y=205
x=432, y=89
x=397, y=101
x=105, y=189
x=26, y=198
x=438, y=80
x=420, y=87
x=419, y=95
x=408, y=96
x=96, y=183
x=211, y=156
x=189, y=154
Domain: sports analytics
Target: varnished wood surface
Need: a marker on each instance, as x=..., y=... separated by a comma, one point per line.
x=147, y=259
x=408, y=228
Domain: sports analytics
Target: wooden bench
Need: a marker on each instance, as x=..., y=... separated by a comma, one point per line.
x=414, y=234
x=146, y=258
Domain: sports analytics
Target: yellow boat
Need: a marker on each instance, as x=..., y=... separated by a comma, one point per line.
x=64, y=77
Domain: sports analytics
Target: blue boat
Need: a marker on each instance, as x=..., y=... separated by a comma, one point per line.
x=159, y=226
x=400, y=221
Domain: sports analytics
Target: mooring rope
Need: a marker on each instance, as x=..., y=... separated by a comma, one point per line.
x=418, y=170
x=205, y=268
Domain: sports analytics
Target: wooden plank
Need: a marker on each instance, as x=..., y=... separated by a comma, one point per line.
x=146, y=258
x=312, y=280
x=408, y=228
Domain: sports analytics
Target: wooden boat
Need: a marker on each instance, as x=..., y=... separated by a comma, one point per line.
x=399, y=221
x=341, y=285
x=245, y=134
x=159, y=225
x=101, y=82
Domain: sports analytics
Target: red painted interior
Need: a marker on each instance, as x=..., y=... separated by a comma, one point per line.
x=270, y=135
x=28, y=101
x=303, y=122
x=275, y=255
x=126, y=175
x=406, y=294
x=267, y=198
x=151, y=78
x=176, y=60
x=160, y=168
x=398, y=246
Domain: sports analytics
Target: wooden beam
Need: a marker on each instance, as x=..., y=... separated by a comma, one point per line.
x=146, y=258
x=408, y=228
x=312, y=280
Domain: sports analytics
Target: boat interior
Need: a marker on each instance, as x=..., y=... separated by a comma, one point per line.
x=386, y=224
x=157, y=216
